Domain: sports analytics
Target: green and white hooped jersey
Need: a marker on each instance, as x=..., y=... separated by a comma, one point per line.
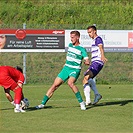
x=75, y=55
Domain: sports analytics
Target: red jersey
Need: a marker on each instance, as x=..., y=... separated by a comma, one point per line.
x=10, y=76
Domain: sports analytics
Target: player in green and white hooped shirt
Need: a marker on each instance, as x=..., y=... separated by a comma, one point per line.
x=70, y=71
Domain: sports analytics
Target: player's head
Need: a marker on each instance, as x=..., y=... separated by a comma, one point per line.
x=92, y=27
x=2, y=41
x=92, y=31
x=74, y=35
x=19, y=68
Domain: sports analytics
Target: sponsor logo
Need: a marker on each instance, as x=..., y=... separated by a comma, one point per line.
x=58, y=32
x=20, y=34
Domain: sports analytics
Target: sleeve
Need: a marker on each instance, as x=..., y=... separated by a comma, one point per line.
x=85, y=55
x=69, y=44
x=98, y=41
x=21, y=78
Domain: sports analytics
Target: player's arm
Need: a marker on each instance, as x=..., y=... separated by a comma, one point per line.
x=86, y=58
x=86, y=61
x=21, y=80
x=102, y=53
x=20, y=84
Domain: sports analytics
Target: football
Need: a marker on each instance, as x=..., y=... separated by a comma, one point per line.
x=25, y=103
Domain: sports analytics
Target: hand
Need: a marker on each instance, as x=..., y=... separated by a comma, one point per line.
x=20, y=85
x=104, y=59
x=87, y=62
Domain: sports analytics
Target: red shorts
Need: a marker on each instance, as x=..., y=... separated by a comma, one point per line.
x=7, y=82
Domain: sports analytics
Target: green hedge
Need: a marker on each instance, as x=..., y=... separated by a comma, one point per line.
x=67, y=14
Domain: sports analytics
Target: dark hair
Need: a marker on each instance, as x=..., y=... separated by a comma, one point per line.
x=77, y=33
x=19, y=68
x=93, y=27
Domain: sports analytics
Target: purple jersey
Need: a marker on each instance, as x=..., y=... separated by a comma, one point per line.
x=95, y=51
x=96, y=62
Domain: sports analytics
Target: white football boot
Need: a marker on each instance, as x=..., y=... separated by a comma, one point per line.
x=41, y=106
x=19, y=110
x=82, y=106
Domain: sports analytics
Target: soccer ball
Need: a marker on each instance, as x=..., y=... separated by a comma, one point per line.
x=24, y=103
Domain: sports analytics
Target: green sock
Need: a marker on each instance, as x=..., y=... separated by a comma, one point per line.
x=45, y=99
x=78, y=96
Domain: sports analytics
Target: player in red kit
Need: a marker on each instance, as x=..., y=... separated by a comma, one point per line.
x=12, y=79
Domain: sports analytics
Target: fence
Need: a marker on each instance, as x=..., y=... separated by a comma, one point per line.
x=42, y=68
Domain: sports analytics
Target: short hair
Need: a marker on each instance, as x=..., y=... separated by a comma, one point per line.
x=92, y=26
x=19, y=69
x=77, y=33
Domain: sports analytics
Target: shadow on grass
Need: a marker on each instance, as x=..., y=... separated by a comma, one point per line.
x=121, y=103
x=34, y=108
x=28, y=109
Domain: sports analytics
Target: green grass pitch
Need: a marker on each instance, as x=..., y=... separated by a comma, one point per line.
x=113, y=113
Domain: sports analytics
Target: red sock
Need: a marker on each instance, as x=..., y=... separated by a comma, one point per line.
x=18, y=95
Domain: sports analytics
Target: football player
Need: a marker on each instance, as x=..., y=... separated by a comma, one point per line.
x=97, y=62
x=12, y=79
x=71, y=70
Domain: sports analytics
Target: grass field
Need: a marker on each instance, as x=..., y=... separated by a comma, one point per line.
x=113, y=114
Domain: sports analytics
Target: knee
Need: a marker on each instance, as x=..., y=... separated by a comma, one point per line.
x=85, y=80
x=70, y=84
x=90, y=80
x=54, y=87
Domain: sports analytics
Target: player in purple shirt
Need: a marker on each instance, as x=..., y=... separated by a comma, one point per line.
x=97, y=61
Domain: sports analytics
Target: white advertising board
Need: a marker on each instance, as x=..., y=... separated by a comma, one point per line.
x=114, y=40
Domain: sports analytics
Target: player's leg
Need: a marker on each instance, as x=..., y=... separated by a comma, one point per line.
x=8, y=96
x=93, y=86
x=17, y=96
x=95, y=90
x=22, y=96
x=22, y=104
x=88, y=74
x=58, y=81
x=7, y=82
x=87, y=91
x=72, y=79
x=95, y=68
x=62, y=76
